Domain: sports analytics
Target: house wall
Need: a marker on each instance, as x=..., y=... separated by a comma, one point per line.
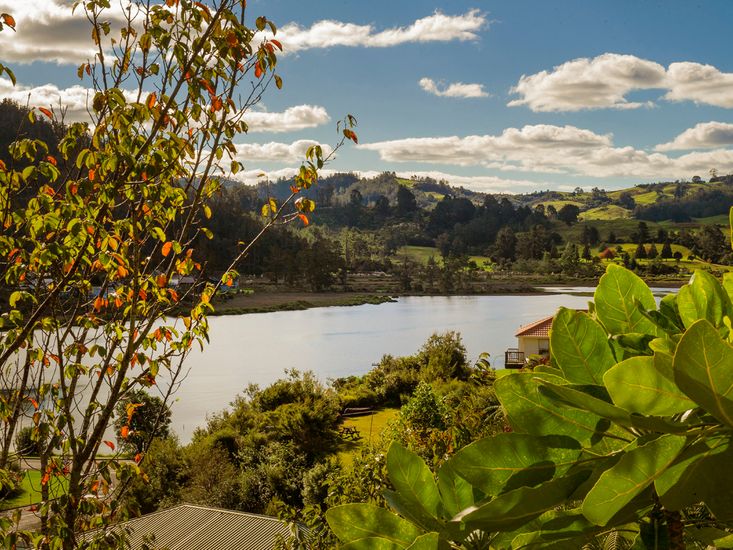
x=533, y=346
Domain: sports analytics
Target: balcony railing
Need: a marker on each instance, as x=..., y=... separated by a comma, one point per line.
x=513, y=359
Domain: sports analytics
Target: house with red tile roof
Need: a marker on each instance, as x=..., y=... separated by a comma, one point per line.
x=532, y=339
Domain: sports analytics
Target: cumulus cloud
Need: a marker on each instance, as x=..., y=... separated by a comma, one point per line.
x=705, y=135
x=72, y=101
x=456, y=89
x=604, y=82
x=290, y=120
x=550, y=150
x=276, y=152
x=700, y=83
x=48, y=31
x=601, y=82
x=437, y=27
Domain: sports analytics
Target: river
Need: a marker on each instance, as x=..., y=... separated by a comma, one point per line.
x=341, y=341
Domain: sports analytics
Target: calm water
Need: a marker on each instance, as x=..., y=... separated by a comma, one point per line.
x=340, y=341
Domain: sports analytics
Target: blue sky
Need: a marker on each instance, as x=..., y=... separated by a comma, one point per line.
x=570, y=93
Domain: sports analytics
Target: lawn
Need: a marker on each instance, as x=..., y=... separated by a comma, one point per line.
x=606, y=212
x=31, y=490
x=370, y=427
x=421, y=254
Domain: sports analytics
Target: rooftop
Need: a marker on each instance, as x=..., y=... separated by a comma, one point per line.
x=189, y=527
x=538, y=329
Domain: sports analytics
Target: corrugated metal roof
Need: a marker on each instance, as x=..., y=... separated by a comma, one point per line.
x=189, y=527
x=538, y=329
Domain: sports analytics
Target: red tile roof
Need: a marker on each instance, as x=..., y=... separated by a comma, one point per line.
x=538, y=329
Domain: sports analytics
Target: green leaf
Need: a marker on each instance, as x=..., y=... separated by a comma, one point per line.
x=456, y=493
x=508, y=461
x=703, y=298
x=616, y=302
x=711, y=537
x=645, y=385
x=413, y=480
x=511, y=510
x=532, y=412
x=372, y=543
x=703, y=369
x=636, y=470
x=580, y=347
x=352, y=522
x=431, y=541
x=557, y=525
x=694, y=475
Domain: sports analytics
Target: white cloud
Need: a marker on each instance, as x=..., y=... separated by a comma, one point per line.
x=604, y=82
x=705, y=135
x=551, y=150
x=601, y=82
x=276, y=152
x=456, y=89
x=48, y=31
x=433, y=28
x=290, y=120
x=72, y=101
x=701, y=84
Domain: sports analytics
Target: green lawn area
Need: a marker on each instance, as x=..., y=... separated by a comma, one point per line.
x=605, y=212
x=369, y=427
x=31, y=490
x=421, y=254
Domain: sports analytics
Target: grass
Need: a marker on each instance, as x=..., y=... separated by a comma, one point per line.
x=421, y=255
x=606, y=212
x=370, y=428
x=31, y=490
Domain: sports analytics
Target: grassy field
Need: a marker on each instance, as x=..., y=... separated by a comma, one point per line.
x=369, y=427
x=421, y=255
x=606, y=212
x=31, y=490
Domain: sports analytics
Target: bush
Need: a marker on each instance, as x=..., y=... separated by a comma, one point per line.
x=25, y=444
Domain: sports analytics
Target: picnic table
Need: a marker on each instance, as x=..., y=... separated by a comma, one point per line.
x=350, y=432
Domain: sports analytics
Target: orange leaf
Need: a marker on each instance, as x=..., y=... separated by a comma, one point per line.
x=161, y=280
x=109, y=444
x=99, y=303
x=92, y=173
x=2, y=165
x=95, y=486
x=294, y=189
x=258, y=70
x=124, y=432
x=138, y=458
x=35, y=403
x=122, y=271
x=277, y=43
x=166, y=248
x=152, y=98
x=9, y=20
x=46, y=112
x=45, y=478
x=174, y=295
x=142, y=294
x=304, y=219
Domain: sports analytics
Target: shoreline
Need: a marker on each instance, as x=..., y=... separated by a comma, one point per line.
x=268, y=300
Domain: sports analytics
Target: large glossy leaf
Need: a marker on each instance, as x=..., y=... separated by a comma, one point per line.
x=703, y=298
x=511, y=510
x=615, y=300
x=574, y=396
x=579, y=346
x=531, y=412
x=555, y=526
x=456, y=493
x=355, y=522
x=703, y=369
x=693, y=476
x=415, y=485
x=508, y=461
x=645, y=385
x=431, y=541
x=728, y=284
x=636, y=470
x=372, y=543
